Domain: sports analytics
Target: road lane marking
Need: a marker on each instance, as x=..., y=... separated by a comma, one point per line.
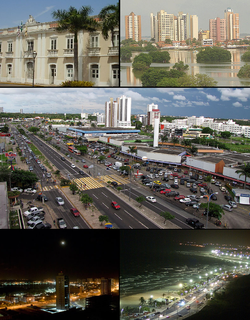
x=94, y=196
x=117, y=216
x=105, y=195
x=105, y=205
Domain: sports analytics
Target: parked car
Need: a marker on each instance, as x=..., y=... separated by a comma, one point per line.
x=42, y=197
x=175, y=186
x=195, y=223
x=194, y=190
x=85, y=166
x=213, y=197
x=232, y=204
x=30, y=190
x=114, y=183
x=179, y=197
x=228, y=198
x=227, y=207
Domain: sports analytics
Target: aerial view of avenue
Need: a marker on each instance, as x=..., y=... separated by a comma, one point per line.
x=184, y=44
x=67, y=276
x=182, y=273
x=64, y=43
x=124, y=158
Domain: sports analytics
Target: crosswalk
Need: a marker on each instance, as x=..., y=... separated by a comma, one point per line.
x=113, y=177
x=47, y=188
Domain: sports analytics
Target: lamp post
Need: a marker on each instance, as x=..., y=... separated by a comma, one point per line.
x=34, y=54
x=208, y=206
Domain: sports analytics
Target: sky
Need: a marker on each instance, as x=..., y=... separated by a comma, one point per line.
x=13, y=12
x=35, y=256
x=204, y=9
x=208, y=102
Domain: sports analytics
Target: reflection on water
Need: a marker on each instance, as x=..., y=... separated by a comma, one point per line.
x=225, y=73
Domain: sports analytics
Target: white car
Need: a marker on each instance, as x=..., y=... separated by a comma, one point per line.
x=232, y=204
x=60, y=201
x=72, y=165
x=30, y=190
x=17, y=189
x=185, y=200
x=151, y=199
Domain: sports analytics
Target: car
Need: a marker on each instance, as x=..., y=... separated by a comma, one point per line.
x=232, y=204
x=72, y=165
x=185, y=200
x=228, y=198
x=172, y=194
x=63, y=159
x=175, y=186
x=115, y=205
x=83, y=161
x=48, y=175
x=190, y=203
x=42, y=197
x=165, y=191
x=34, y=224
x=227, y=207
x=81, y=172
x=218, y=184
x=194, y=190
x=60, y=201
x=195, y=223
x=196, y=205
x=31, y=168
x=179, y=197
x=75, y=212
x=188, y=184
x=151, y=199
x=43, y=226
x=17, y=189
x=114, y=183
x=213, y=197
x=223, y=189
x=85, y=166
x=30, y=190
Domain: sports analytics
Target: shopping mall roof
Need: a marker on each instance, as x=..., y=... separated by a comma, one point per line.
x=104, y=130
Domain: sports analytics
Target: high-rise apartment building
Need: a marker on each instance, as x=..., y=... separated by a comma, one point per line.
x=194, y=27
x=133, y=27
x=118, y=113
x=232, y=24
x=154, y=27
x=165, y=25
x=105, y=286
x=62, y=292
x=152, y=110
x=217, y=29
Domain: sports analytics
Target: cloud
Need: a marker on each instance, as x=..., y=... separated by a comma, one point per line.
x=179, y=97
x=237, y=104
x=213, y=98
x=46, y=10
x=200, y=103
x=240, y=94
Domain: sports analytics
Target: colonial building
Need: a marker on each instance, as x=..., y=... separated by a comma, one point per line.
x=52, y=54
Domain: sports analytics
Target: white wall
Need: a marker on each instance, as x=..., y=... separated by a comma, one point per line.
x=201, y=164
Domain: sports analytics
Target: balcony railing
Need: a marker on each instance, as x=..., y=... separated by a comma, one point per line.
x=52, y=53
x=94, y=51
x=113, y=51
x=68, y=52
x=28, y=54
x=9, y=54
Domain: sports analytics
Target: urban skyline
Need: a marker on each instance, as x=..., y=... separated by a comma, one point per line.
x=203, y=10
x=226, y=103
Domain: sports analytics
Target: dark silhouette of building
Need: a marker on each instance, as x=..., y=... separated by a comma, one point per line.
x=62, y=292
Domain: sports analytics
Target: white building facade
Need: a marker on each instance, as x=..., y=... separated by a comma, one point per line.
x=98, y=59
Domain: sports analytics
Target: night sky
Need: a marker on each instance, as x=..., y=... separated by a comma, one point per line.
x=142, y=243
x=41, y=255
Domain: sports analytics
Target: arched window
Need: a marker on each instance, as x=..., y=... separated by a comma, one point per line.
x=69, y=72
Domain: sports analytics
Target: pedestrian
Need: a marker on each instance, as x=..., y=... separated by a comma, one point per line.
x=54, y=222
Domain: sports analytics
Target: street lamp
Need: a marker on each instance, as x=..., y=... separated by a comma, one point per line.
x=208, y=206
x=34, y=54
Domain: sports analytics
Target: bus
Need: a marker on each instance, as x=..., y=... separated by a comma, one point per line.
x=77, y=152
x=70, y=143
x=71, y=149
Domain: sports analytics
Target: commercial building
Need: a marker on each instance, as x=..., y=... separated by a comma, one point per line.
x=105, y=286
x=133, y=27
x=41, y=49
x=232, y=24
x=217, y=29
x=62, y=292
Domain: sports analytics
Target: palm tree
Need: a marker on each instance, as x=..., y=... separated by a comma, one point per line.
x=244, y=171
x=110, y=17
x=142, y=300
x=75, y=20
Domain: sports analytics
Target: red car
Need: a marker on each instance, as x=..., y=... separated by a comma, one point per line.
x=175, y=175
x=202, y=184
x=115, y=205
x=179, y=197
x=109, y=156
x=85, y=166
x=75, y=212
x=165, y=191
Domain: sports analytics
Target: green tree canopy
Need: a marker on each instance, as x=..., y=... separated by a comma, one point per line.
x=213, y=54
x=125, y=54
x=26, y=178
x=180, y=66
x=103, y=218
x=160, y=56
x=225, y=134
x=246, y=56
x=214, y=209
x=244, y=171
x=166, y=215
x=73, y=187
x=244, y=71
x=140, y=199
x=86, y=199
x=33, y=129
x=143, y=57
x=83, y=149
x=207, y=130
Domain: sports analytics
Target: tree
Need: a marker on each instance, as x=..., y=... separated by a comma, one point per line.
x=225, y=134
x=5, y=173
x=143, y=57
x=194, y=150
x=73, y=187
x=168, y=41
x=150, y=301
x=103, y=218
x=33, y=129
x=175, y=140
x=140, y=199
x=138, y=125
x=246, y=56
x=166, y=215
x=125, y=54
x=214, y=209
x=75, y=20
x=110, y=18
x=101, y=158
x=213, y=54
x=4, y=129
x=207, y=130
x=244, y=71
x=140, y=65
x=83, y=149
x=244, y=171
x=180, y=66
x=26, y=178
x=149, y=128
x=160, y=56
x=86, y=199
x=142, y=301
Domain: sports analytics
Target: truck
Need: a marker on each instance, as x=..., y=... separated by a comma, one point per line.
x=118, y=164
x=195, y=223
x=33, y=210
x=61, y=223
